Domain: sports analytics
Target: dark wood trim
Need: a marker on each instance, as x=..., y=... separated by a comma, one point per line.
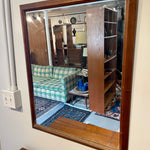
x=28, y=65
x=52, y=3
x=128, y=56
x=129, y=38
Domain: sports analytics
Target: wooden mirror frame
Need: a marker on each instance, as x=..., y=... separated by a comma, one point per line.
x=128, y=55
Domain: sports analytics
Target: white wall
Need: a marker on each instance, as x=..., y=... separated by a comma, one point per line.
x=15, y=127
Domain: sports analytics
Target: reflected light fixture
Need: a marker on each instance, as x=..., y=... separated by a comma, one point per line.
x=29, y=19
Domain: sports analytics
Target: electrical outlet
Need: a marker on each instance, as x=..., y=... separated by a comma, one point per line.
x=12, y=99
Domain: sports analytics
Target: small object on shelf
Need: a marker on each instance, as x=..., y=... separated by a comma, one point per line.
x=80, y=84
x=83, y=72
x=110, y=52
x=83, y=88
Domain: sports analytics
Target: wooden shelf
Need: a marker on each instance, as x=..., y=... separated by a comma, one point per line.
x=110, y=58
x=108, y=85
x=108, y=37
x=106, y=19
x=109, y=22
x=107, y=74
x=108, y=97
x=110, y=9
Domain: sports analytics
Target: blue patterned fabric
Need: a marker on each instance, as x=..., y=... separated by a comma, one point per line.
x=68, y=112
x=55, y=86
x=43, y=105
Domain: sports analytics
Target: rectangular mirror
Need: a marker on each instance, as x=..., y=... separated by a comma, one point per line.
x=74, y=58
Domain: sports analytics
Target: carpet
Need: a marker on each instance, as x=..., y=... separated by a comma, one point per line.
x=114, y=111
x=42, y=105
x=68, y=112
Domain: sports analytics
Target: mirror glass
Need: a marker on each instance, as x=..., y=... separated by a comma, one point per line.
x=76, y=60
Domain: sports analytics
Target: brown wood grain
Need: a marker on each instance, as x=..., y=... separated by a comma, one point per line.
x=37, y=42
x=51, y=43
x=58, y=31
x=128, y=55
x=69, y=36
x=92, y=133
x=75, y=57
x=95, y=47
x=28, y=64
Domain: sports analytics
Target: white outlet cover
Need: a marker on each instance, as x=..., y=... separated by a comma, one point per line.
x=12, y=99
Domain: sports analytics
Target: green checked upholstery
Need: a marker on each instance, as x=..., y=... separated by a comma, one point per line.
x=42, y=71
x=38, y=80
x=59, y=72
x=54, y=82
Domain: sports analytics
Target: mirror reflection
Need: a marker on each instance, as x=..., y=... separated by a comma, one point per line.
x=76, y=61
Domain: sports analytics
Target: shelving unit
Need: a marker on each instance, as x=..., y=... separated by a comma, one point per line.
x=102, y=56
x=110, y=50
x=110, y=58
x=108, y=98
x=108, y=73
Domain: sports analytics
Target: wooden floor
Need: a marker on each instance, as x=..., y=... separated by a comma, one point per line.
x=108, y=139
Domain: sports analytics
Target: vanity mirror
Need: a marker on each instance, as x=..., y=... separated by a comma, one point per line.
x=75, y=71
